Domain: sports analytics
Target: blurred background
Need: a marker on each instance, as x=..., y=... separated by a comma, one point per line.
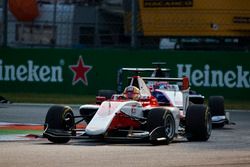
x=157, y=24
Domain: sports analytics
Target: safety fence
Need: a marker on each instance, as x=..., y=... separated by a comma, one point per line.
x=164, y=24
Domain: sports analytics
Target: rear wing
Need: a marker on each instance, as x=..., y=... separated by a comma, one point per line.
x=143, y=69
x=136, y=70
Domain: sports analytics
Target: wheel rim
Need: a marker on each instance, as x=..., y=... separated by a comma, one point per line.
x=169, y=125
x=209, y=124
x=68, y=120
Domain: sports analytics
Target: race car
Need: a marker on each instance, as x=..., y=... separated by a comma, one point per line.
x=133, y=114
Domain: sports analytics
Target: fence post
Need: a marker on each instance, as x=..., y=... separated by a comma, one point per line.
x=133, y=23
x=5, y=23
x=54, y=25
x=97, y=35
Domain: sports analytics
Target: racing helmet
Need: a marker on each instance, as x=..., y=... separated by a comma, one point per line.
x=132, y=92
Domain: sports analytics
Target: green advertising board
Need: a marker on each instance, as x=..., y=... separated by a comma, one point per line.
x=84, y=71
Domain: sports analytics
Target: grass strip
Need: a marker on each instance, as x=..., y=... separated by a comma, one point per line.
x=13, y=131
x=48, y=98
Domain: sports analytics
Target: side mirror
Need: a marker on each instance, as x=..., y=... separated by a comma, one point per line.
x=185, y=83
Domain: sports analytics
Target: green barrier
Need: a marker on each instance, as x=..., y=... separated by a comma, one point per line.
x=73, y=71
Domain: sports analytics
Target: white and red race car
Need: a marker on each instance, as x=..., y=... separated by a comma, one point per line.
x=133, y=114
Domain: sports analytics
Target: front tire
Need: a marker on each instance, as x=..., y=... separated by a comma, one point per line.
x=59, y=118
x=198, y=123
x=160, y=117
x=216, y=108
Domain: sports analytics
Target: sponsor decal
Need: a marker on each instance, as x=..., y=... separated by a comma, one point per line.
x=30, y=72
x=168, y=3
x=80, y=71
x=240, y=19
x=207, y=77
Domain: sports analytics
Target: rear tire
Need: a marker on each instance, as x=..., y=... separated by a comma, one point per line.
x=198, y=123
x=216, y=108
x=160, y=117
x=106, y=93
x=59, y=118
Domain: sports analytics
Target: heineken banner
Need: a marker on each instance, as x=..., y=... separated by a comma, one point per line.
x=70, y=71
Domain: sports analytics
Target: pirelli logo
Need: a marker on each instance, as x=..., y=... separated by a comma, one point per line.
x=168, y=3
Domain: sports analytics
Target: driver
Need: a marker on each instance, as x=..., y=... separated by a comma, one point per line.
x=132, y=92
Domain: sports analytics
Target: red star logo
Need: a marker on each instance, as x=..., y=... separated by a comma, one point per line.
x=80, y=72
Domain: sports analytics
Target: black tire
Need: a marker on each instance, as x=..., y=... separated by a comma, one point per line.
x=106, y=93
x=216, y=108
x=198, y=123
x=59, y=118
x=160, y=117
x=216, y=105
